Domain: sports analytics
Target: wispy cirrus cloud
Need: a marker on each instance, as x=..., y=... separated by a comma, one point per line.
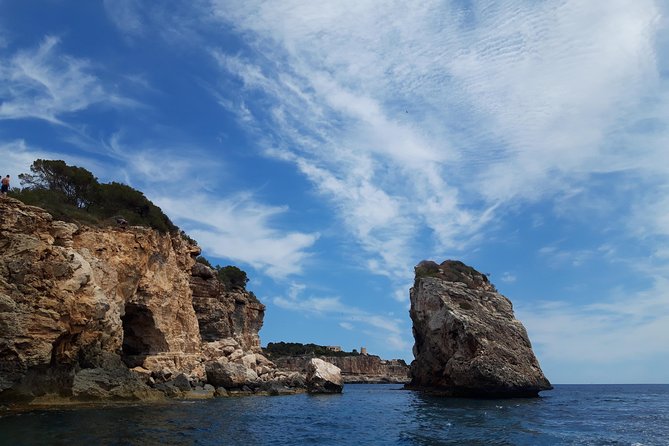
x=126, y=16
x=619, y=331
x=424, y=122
x=43, y=83
x=234, y=225
x=241, y=229
x=508, y=277
x=18, y=156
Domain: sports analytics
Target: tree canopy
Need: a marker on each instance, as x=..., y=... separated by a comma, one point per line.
x=76, y=184
x=74, y=193
x=230, y=276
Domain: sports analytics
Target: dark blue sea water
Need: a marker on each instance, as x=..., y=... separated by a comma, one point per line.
x=363, y=415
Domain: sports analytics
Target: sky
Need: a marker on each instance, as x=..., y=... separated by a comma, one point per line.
x=326, y=147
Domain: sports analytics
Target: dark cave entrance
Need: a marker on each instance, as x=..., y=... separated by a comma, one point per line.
x=140, y=335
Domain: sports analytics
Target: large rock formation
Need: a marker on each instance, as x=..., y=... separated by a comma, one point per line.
x=467, y=340
x=369, y=369
x=117, y=312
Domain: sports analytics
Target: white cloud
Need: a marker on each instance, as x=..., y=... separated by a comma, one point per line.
x=17, y=158
x=507, y=277
x=45, y=84
x=346, y=325
x=432, y=117
x=626, y=328
x=155, y=166
x=556, y=256
x=241, y=229
x=388, y=330
x=125, y=14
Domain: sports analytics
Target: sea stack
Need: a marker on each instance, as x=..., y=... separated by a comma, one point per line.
x=467, y=341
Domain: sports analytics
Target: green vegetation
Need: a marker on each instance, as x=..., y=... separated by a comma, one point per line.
x=203, y=260
x=280, y=349
x=230, y=276
x=451, y=271
x=427, y=268
x=72, y=193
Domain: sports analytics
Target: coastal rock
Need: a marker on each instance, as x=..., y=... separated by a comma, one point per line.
x=100, y=384
x=467, y=340
x=369, y=369
x=323, y=377
x=229, y=375
x=81, y=306
x=73, y=295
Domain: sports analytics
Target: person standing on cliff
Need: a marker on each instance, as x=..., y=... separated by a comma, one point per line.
x=5, y=186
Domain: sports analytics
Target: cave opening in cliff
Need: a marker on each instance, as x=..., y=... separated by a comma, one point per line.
x=140, y=335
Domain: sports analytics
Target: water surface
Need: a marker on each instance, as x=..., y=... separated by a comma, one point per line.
x=363, y=415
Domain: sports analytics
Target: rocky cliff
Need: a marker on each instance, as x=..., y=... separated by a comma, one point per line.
x=467, y=340
x=354, y=369
x=118, y=312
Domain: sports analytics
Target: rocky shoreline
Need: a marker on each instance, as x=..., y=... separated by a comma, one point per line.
x=125, y=313
x=122, y=313
x=359, y=369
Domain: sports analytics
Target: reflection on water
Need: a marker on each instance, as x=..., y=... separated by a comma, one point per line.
x=364, y=414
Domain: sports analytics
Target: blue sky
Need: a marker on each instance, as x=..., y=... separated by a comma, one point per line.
x=328, y=147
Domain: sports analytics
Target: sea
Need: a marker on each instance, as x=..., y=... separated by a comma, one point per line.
x=364, y=414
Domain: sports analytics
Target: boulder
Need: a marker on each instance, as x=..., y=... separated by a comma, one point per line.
x=467, y=341
x=118, y=384
x=182, y=383
x=249, y=360
x=229, y=375
x=221, y=392
x=323, y=377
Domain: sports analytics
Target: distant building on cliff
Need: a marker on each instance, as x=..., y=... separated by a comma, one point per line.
x=363, y=351
x=333, y=348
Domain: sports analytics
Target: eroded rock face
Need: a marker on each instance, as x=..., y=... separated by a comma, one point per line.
x=73, y=297
x=225, y=314
x=467, y=340
x=109, y=313
x=323, y=377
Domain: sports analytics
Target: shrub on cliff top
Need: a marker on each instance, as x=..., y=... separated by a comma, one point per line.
x=452, y=271
x=73, y=193
x=232, y=277
x=203, y=260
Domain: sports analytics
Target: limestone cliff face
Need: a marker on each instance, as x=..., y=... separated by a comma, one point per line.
x=467, y=340
x=97, y=313
x=355, y=369
x=223, y=313
x=74, y=298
